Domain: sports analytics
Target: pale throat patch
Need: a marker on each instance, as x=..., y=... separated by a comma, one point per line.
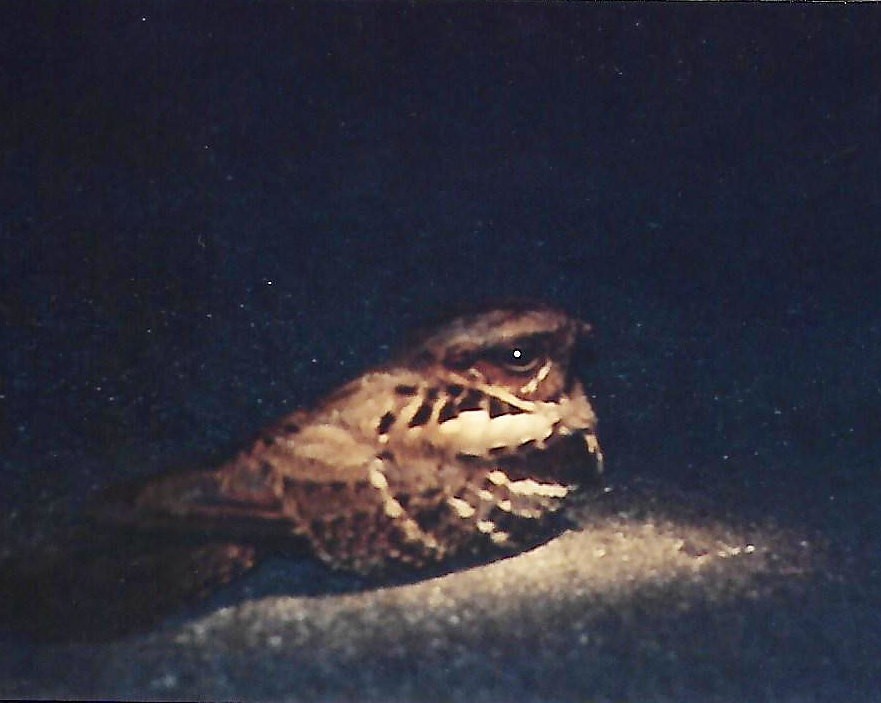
x=476, y=433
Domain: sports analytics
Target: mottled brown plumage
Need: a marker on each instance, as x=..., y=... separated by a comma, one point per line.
x=467, y=442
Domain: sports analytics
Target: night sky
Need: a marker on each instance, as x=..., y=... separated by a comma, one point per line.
x=213, y=213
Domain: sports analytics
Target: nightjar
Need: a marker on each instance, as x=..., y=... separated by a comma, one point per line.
x=468, y=442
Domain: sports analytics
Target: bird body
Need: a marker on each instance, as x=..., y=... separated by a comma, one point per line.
x=466, y=442
x=438, y=451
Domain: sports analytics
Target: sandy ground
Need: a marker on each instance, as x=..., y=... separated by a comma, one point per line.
x=649, y=598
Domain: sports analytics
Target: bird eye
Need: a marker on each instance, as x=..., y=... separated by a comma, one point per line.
x=519, y=358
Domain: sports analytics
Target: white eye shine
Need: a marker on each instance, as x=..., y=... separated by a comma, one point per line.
x=517, y=358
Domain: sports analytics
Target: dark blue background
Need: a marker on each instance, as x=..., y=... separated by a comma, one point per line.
x=214, y=212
